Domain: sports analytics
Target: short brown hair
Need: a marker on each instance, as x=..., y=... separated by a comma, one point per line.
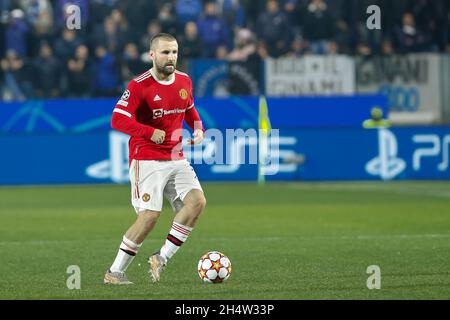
x=162, y=36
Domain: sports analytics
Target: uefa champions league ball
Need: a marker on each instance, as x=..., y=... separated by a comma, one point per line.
x=214, y=267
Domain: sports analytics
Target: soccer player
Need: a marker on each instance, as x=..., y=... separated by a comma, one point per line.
x=151, y=111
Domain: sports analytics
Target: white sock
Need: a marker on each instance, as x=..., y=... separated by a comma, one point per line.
x=177, y=236
x=127, y=251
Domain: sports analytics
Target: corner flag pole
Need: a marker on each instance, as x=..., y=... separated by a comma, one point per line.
x=264, y=132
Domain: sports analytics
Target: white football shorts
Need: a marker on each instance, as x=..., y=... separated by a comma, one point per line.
x=153, y=180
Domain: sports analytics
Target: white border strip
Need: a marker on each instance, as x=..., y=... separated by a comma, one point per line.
x=122, y=112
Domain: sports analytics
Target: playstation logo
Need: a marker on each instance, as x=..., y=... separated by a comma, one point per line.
x=116, y=167
x=386, y=165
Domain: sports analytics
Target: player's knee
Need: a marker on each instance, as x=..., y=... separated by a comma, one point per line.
x=149, y=217
x=199, y=205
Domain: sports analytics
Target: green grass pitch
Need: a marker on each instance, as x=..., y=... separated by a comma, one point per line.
x=285, y=241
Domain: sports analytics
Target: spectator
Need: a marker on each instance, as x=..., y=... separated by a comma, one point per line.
x=47, y=73
x=409, y=38
x=120, y=22
x=232, y=12
x=221, y=53
x=4, y=19
x=333, y=48
x=167, y=19
x=252, y=11
x=213, y=31
x=110, y=36
x=262, y=50
x=17, y=82
x=106, y=76
x=290, y=6
x=430, y=18
x=348, y=15
x=244, y=58
x=39, y=14
x=17, y=33
x=299, y=48
x=244, y=46
x=138, y=13
x=187, y=10
x=100, y=9
x=318, y=26
x=363, y=49
x=387, y=48
x=283, y=28
x=190, y=42
x=153, y=28
x=79, y=73
x=273, y=28
x=64, y=47
x=291, y=9
x=392, y=12
x=132, y=64
x=448, y=32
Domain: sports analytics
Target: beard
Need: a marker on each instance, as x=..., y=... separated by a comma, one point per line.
x=165, y=69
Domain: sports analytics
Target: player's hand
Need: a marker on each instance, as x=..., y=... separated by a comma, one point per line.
x=158, y=136
x=198, y=137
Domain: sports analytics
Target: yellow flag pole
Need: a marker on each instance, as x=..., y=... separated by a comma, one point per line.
x=264, y=132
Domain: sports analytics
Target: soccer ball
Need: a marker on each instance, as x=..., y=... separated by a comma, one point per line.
x=214, y=267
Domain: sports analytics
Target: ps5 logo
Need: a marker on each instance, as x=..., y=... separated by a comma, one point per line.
x=386, y=165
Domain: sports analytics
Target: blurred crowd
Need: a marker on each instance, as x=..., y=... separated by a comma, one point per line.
x=42, y=58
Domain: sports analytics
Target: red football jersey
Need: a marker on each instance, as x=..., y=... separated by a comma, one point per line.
x=148, y=104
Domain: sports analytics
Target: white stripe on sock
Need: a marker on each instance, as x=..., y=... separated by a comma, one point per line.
x=123, y=259
x=180, y=232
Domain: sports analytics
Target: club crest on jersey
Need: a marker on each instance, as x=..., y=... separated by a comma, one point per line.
x=126, y=95
x=145, y=197
x=183, y=94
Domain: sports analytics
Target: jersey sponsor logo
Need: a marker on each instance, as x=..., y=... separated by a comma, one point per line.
x=125, y=95
x=159, y=113
x=167, y=112
x=183, y=94
x=157, y=98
